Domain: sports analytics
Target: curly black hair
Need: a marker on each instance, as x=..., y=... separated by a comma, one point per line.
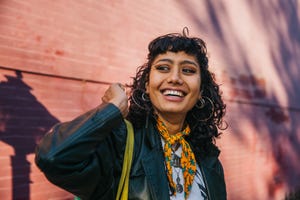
x=206, y=121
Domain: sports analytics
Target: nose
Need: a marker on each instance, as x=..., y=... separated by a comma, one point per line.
x=175, y=77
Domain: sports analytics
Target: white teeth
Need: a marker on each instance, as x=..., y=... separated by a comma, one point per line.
x=173, y=93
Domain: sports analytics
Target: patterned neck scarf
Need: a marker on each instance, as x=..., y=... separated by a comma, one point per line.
x=188, y=162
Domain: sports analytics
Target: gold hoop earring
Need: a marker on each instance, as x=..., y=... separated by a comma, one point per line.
x=145, y=97
x=142, y=98
x=202, y=105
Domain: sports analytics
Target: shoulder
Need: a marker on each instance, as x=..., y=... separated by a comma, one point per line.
x=213, y=150
x=209, y=156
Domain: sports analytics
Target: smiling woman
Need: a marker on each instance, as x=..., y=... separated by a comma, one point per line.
x=176, y=111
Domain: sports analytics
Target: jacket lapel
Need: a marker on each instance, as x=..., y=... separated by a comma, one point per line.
x=153, y=164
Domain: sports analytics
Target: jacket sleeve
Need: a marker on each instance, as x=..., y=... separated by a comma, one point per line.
x=80, y=155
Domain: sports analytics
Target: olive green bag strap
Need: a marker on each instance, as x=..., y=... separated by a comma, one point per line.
x=122, y=193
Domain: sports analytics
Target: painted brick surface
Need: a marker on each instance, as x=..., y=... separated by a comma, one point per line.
x=58, y=57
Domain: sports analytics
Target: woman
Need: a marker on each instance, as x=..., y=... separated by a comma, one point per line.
x=176, y=110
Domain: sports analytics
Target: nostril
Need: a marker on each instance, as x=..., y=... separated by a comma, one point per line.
x=175, y=81
x=175, y=78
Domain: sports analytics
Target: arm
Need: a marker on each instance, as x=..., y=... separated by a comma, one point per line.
x=67, y=153
x=80, y=155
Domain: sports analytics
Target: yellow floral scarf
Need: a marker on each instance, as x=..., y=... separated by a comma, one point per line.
x=188, y=162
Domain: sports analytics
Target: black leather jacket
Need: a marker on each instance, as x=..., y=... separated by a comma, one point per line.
x=85, y=156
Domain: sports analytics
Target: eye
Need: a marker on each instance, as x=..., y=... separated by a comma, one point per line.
x=189, y=70
x=163, y=68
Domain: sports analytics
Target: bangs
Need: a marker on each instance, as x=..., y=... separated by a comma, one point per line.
x=176, y=43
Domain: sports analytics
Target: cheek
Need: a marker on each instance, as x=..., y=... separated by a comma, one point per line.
x=196, y=90
x=195, y=84
x=152, y=83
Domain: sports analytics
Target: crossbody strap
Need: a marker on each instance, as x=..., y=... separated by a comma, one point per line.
x=122, y=193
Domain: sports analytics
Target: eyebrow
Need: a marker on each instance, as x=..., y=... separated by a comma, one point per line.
x=182, y=62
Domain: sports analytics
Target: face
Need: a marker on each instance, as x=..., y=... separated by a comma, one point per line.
x=174, y=83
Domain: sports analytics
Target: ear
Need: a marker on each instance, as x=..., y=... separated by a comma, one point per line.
x=147, y=87
x=200, y=94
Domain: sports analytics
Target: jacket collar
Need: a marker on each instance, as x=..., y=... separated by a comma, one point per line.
x=152, y=133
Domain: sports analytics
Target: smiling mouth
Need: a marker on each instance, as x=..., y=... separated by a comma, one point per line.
x=175, y=93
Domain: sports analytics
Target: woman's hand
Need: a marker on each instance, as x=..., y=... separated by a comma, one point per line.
x=116, y=95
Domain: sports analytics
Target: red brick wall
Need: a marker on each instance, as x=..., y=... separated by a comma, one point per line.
x=58, y=57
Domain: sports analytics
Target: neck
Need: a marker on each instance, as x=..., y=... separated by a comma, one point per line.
x=173, y=123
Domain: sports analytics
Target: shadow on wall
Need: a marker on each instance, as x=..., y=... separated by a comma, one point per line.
x=23, y=121
x=279, y=23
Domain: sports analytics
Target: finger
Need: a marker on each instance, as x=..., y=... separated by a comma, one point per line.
x=104, y=99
